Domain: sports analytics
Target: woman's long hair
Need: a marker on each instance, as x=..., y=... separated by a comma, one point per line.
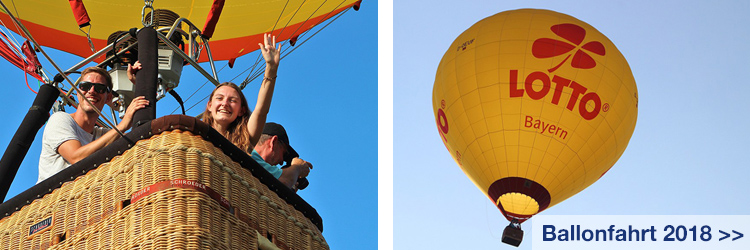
x=237, y=131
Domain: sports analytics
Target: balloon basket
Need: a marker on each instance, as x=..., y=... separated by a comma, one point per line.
x=513, y=235
x=179, y=188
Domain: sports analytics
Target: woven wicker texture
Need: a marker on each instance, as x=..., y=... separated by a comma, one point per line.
x=93, y=212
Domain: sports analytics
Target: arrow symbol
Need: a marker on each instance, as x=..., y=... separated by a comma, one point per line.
x=736, y=233
x=726, y=235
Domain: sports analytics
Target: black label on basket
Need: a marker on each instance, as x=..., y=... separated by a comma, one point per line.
x=38, y=227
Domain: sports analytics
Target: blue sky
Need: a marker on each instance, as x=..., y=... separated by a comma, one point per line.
x=687, y=156
x=325, y=96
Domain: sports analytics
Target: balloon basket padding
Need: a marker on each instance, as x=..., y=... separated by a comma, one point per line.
x=512, y=236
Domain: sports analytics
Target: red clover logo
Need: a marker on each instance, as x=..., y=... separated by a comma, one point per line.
x=574, y=34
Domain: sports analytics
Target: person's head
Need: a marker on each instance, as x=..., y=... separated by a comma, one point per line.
x=274, y=144
x=227, y=109
x=96, y=86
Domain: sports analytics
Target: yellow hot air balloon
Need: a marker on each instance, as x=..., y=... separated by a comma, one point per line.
x=534, y=106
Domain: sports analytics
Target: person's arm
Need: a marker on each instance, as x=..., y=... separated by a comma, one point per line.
x=72, y=150
x=258, y=117
x=298, y=169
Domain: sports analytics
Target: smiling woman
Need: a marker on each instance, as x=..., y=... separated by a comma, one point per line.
x=227, y=112
x=235, y=120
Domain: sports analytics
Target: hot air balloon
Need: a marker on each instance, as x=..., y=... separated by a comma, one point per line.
x=534, y=106
x=234, y=27
x=227, y=200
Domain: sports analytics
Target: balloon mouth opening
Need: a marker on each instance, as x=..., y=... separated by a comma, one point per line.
x=519, y=198
x=518, y=203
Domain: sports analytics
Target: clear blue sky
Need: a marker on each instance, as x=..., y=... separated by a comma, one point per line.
x=689, y=152
x=326, y=97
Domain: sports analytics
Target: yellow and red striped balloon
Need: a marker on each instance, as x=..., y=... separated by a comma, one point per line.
x=239, y=29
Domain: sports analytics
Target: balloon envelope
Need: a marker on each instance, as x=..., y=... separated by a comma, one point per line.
x=534, y=106
x=239, y=29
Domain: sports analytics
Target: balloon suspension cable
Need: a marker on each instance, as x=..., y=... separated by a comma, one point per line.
x=316, y=11
x=14, y=46
x=258, y=58
x=14, y=42
x=258, y=72
x=37, y=46
x=515, y=224
x=318, y=31
x=88, y=37
x=254, y=69
x=196, y=91
x=280, y=14
x=10, y=40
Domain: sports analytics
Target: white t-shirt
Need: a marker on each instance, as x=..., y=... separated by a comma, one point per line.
x=61, y=128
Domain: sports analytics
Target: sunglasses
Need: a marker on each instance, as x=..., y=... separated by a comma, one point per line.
x=98, y=87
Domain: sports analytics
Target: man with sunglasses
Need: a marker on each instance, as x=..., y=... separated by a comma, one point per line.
x=69, y=138
x=270, y=150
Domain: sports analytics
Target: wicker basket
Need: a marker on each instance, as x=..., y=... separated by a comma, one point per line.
x=172, y=191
